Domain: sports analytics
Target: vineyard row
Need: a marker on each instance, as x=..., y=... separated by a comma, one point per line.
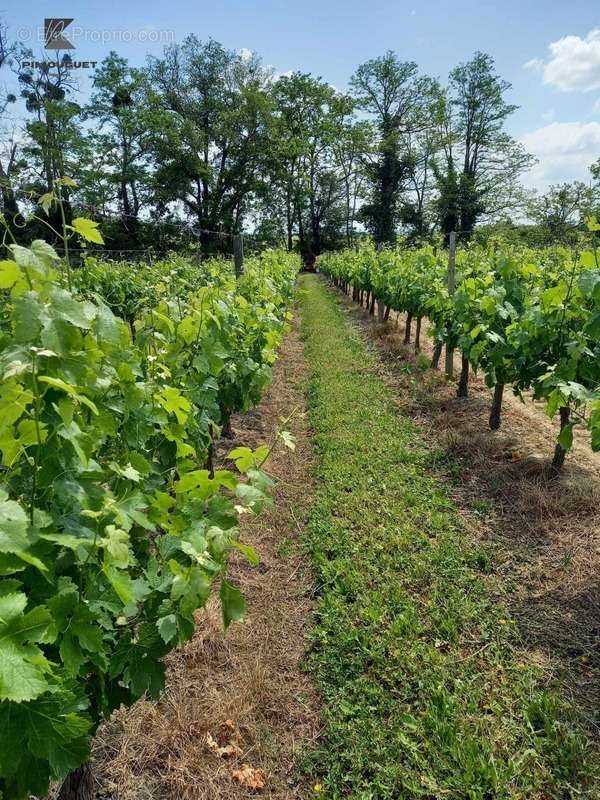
x=524, y=317
x=114, y=521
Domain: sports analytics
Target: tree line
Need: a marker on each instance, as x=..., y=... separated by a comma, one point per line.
x=211, y=135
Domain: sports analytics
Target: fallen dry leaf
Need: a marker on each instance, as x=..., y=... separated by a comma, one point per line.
x=249, y=776
x=223, y=751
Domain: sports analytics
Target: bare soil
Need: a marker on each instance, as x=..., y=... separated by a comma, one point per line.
x=543, y=532
x=238, y=709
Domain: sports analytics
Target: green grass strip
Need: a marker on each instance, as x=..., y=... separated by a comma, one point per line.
x=423, y=695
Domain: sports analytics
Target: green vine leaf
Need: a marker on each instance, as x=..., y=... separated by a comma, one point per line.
x=232, y=604
x=87, y=229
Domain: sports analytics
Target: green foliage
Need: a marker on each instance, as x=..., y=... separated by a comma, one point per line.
x=206, y=135
x=562, y=210
x=479, y=164
x=526, y=317
x=315, y=150
x=212, y=145
x=88, y=230
x=397, y=97
x=113, y=526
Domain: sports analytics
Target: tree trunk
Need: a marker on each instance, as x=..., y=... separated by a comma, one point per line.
x=496, y=406
x=380, y=311
x=559, y=450
x=418, y=335
x=386, y=316
x=389, y=176
x=449, y=360
x=227, y=430
x=136, y=199
x=210, y=463
x=463, y=383
x=437, y=353
x=124, y=193
x=409, y=317
x=78, y=785
x=289, y=224
x=372, y=306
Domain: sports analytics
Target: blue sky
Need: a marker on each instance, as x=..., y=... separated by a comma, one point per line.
x=549, y=51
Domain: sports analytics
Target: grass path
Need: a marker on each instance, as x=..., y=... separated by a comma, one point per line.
x=423, y=695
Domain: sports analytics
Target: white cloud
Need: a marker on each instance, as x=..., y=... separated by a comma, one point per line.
x=573, y=63
x=564, y=151
x=536, y=64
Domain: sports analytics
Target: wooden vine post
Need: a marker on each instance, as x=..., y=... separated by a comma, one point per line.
x=238, y=254
x=451, y=288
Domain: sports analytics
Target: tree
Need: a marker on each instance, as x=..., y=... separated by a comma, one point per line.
x=11, y=163
x=418, y=208
x=396, y=96
x=53, y=128
x=595, y=170
x=312, y=146
x=211, y=151
x=563, y=208
x=481, y=163
x=123, y=108
x=448, y=202
x=350, y=148
x=12, y=166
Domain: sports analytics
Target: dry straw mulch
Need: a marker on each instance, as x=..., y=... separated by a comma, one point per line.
x=237, y=710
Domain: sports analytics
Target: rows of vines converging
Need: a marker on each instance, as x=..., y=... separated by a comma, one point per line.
x=114, y=382
x=528, y=318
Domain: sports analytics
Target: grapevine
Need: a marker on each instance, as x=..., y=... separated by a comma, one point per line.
x=524, y=317
x=114, y=525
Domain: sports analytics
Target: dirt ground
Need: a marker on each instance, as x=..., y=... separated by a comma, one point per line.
x=237, y=710
x=543, y=533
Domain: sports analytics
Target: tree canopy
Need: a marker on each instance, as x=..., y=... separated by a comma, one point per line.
x=211, y=137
